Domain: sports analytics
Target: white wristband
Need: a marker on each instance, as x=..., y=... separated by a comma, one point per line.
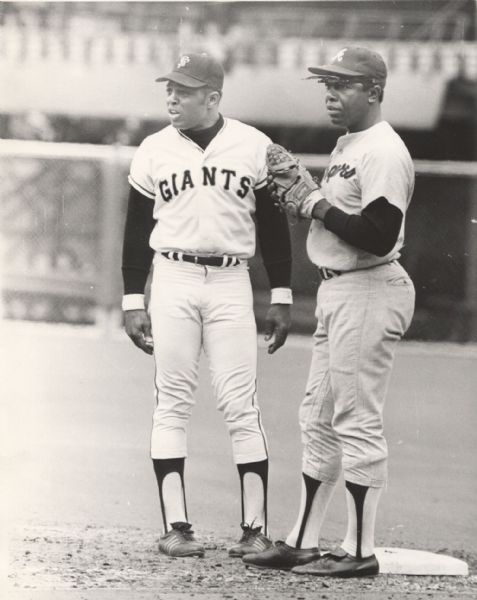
x=306, y=209
x=281, y=295
x=133, y=302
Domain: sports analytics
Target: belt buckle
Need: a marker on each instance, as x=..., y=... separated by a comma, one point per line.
x=196, y=258
x=327, y=273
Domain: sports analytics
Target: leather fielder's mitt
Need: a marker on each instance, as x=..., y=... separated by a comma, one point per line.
x=290, y=183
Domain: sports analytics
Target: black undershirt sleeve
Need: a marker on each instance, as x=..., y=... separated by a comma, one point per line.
x=375, y=230
x=274, y=239
x=137, y=254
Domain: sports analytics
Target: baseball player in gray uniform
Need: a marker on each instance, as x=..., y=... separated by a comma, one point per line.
x=198, y=188
x=365, y=304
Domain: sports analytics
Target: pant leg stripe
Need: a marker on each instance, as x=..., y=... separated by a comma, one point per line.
x=259, y=419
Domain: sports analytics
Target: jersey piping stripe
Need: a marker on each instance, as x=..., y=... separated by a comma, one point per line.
x=261, y=184
x=141, y=189
x=191, y=141
x=197, y=145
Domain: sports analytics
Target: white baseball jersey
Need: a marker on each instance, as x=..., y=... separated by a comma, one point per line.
x=363, y=167
x=193, y=189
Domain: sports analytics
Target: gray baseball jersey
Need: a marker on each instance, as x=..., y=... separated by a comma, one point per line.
x=363, y=167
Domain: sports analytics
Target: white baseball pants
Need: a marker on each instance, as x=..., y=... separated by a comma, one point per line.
x=361, y=316
x=194, y=307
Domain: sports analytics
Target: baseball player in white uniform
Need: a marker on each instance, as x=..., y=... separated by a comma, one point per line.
x=365, y=304
x=197, y=191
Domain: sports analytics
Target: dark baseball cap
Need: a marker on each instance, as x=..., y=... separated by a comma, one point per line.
x=351, y=62
x=196, y=70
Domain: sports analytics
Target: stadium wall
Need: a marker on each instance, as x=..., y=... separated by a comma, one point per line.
x=114, y=76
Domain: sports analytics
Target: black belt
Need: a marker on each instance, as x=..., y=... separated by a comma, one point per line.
x=209, y=261
x=328, y=273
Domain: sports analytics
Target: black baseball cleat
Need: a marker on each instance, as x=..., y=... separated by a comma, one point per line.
x=251, y=542
x=180, y=542
x=340, y=565
x=281, y=556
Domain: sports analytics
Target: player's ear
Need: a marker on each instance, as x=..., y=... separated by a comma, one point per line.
x=213, y=98
x=375, y=94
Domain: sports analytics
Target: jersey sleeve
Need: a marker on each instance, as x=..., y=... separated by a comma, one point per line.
x=137, y=253
x=274, y=240
x=140, y=172
x=375, y=230
x=387, y=172
x=262, y=172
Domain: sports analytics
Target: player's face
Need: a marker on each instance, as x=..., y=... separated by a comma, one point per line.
x=187, y=107
x=348, y=105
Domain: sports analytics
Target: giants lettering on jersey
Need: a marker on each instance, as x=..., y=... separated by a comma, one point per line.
x=211, y=176
x=344, y=170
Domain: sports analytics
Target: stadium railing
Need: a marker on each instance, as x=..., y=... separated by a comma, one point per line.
x=101, y=46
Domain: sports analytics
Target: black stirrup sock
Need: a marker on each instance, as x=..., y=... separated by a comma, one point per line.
x=163, y=467
x=260, y=468
x=359, y=494
x=311, y=486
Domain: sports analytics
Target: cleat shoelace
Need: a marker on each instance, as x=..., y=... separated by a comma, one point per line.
x=249, y=532
x=185, y=531
x=187, y=536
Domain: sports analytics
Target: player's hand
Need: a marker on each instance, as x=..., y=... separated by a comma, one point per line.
x=138, y=327
x=273, y=190
x=277, y=324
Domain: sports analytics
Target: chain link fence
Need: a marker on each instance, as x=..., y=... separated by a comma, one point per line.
x=63, y=208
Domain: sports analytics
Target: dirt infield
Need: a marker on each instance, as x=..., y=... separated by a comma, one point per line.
x=82, y=514
x=94, y=559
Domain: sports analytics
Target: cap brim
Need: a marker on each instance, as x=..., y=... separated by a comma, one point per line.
x=334, y=70
x=182, y=79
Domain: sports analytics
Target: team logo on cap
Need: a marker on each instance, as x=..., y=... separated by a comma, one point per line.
x=339, y=57
x=183, y=61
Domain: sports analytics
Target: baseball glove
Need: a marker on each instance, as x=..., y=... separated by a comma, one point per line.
x=290, y=183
